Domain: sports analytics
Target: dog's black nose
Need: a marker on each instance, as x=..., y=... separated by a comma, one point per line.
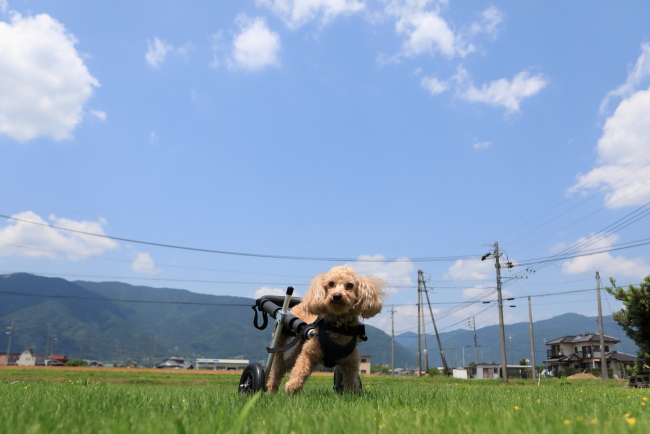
x=337, y=297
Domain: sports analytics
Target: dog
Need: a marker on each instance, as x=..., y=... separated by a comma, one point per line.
x=339, y=297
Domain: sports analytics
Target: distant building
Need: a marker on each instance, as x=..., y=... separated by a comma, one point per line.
x=364, y=366
x=583, y=352
x=130, y=364
x=30, y=358
x=483, y=371
x=221, y=364
x=174, y=362
x=95, y=363
x=13, y=358
x=56, y=360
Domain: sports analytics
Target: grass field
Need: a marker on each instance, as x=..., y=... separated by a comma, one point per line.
x=74, y=401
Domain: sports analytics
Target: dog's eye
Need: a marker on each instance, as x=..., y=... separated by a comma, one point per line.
x=331, y=284
x=349, y=285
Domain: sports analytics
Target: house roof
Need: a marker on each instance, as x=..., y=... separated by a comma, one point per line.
x=586, y=337
x=621, y=357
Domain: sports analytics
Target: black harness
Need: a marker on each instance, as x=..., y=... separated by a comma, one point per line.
x=332, y=352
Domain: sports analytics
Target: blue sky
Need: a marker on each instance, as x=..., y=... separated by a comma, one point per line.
x=327, y=128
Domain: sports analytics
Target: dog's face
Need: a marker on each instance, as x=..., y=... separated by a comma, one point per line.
x=341, y=293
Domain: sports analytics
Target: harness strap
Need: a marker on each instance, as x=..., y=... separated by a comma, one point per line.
x=300, y=336
x=265, y=320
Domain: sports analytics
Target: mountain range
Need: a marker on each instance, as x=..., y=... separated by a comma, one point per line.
x=163, y=321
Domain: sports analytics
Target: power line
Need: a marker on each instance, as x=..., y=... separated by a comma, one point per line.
x=25, y=294
x=254, y=255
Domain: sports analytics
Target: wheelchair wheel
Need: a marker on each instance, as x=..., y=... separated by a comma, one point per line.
x=338, y=380
x=252, y=379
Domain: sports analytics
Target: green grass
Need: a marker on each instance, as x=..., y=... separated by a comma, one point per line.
x=386, y=405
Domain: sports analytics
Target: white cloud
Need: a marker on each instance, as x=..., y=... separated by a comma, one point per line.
x=396, y=273
x=481, y=145
x=154, y=140
x=605, y=263
x=296, y=13
x=272, y=291
x=4, y=5
x=99, y=114
x=626, y=137
x=489, y=24
x=405, y=319
x=426, y=32
x=470, y=270
x=255, y=47
x=47, y=238
x=158, y=50
x=640, y=71
x=43, y=80
x=502, y=92
x=433, y=85
x=143, y=263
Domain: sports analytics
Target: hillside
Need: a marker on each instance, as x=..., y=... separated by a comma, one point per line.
x=488, y=339
x=210, y=327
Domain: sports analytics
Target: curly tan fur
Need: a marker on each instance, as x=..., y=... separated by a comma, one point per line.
x=341, y=296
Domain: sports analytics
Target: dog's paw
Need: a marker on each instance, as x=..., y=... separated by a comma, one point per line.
x=292, y=387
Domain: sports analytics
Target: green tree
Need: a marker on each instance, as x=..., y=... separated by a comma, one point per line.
x=634, y=318
x=523, y=362
x=72, y=362
x=380, y=369
x=434, y=371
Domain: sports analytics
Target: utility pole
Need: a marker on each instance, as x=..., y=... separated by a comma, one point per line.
x=453, y=354
x=116, y=353
x=603, y=354
x=47, y=346
x=419, y=325
x=392, y=343
x=151, y=344
x=464, y=356
x=510, y=336
x=81, y=350
x=424, y=336
x=532, y=340
x=435, y=329
x=11, y=335
x=502, y=332
x=475, y=342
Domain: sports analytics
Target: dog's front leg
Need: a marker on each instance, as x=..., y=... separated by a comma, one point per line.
x=305, y=364
x=279, y=368
x=350, y=368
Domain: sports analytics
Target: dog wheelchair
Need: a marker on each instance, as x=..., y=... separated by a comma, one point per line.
x=254, y=377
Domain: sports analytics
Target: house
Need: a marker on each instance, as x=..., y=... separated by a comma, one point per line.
x=13, y=358
x=583, y=352
x=174, y=362
x=30, y=358
x=130, y=364
x=364, y=366
x=95, y=363
x=483, y=371
x=222, y=364
x=56, y=360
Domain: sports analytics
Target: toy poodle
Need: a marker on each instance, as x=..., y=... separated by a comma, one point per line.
x=336, y=299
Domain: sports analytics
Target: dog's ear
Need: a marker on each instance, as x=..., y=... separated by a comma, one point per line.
x=314, y=300
x=370, y=293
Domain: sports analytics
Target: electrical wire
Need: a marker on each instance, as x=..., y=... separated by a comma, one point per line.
x=254, y=255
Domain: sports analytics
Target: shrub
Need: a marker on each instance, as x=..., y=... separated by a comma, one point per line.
x=380, y=369
x=567, y=372
x=434, y=371
x=598, y=372
x=76, y=363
